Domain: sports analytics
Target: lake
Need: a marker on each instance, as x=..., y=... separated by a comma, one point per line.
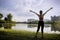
x=29, y=27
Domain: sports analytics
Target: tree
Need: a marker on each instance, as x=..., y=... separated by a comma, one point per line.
x=1, y=21
x=9, y=17
x=1, y=15
x=6, y=19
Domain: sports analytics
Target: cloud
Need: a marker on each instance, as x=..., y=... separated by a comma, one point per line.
x=20, y=8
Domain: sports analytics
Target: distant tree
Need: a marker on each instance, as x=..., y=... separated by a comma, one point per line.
x=9, y=17
x=1, y=15
x=1, y=21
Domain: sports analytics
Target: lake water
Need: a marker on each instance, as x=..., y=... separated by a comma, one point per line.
x=28, y=27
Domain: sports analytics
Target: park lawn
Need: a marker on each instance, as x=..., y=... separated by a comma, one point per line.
x=8, y=34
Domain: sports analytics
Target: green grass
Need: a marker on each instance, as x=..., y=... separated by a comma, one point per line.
x=25, y=35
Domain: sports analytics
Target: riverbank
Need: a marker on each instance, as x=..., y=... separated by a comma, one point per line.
x=25, y=35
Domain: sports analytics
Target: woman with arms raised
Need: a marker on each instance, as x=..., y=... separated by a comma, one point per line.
x=40, y=22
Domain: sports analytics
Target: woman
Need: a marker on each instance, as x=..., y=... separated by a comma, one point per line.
x=41, y=22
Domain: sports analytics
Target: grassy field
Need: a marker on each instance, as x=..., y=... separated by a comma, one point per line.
x=25, y=35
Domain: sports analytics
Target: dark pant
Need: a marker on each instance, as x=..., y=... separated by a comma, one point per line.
x=40, y=24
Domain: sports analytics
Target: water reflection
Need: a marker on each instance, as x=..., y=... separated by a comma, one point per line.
x=35, y=25
x=33, y=28
x=32, y=25
x=7, y=25
x=55, y=28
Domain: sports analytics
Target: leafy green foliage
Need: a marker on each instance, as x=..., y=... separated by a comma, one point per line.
x=1, y=15
x=7, y=22
x=9, y=17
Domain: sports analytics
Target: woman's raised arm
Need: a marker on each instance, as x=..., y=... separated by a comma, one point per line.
x=34, y=12
x=48, y=10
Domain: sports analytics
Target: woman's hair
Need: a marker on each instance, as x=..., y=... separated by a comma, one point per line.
x=40, y=11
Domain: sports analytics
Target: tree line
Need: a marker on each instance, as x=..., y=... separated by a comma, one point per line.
x=6, y=22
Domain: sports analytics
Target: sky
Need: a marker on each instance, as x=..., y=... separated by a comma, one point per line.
x=20, y=8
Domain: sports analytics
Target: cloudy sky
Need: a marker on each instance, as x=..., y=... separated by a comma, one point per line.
x=20, y=8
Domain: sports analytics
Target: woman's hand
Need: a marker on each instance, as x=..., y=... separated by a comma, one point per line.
x=31, y=11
